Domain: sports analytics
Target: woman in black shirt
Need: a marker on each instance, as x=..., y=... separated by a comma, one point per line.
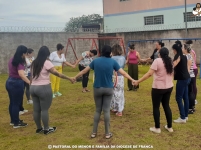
x=158, y=45
x=182, y=76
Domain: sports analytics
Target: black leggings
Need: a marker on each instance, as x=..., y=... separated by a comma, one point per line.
x=85, y=77
x=194, y=83
x=161, y=95
x=191, y=88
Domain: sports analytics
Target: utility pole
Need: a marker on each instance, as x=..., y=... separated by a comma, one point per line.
x=186, y=20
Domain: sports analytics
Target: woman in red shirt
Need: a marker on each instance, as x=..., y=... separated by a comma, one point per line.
x=133, y=58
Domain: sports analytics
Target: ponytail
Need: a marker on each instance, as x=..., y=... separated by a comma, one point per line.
x=161, y=44
x=164, y=53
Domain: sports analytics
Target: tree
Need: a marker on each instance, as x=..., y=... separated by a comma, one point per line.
x=75, y=23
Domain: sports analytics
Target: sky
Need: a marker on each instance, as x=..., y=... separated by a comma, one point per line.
x=45, y=13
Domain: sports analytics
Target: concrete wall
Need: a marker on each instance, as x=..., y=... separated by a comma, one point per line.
x=146, y=48
x=10, y=41
x=115, y=7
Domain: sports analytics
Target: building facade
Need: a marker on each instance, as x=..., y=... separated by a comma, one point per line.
x=148, y=15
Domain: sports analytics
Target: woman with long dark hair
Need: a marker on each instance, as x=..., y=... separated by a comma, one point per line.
x=182, y=76
x=103, y=87
x=40, y=89
x=15, y=85
x=84, y=61
x=162, y=71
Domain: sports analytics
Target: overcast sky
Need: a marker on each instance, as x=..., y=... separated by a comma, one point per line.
x=45, y=13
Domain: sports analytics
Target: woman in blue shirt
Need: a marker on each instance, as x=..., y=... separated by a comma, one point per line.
x=118, y=100
x=103, y=86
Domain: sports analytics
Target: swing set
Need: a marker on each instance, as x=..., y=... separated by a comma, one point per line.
x=94, y=43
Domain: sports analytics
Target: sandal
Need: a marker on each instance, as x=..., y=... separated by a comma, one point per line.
x=119, y=114
x=84, y=91
x=87, y=90
x=93, y=135
x=114, y=111
x=108, y=136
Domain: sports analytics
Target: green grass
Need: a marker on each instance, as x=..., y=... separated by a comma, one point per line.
x=73, y=114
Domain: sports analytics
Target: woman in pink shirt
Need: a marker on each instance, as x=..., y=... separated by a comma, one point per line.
x=162, y=71
x=40, y=89
x=133, y=58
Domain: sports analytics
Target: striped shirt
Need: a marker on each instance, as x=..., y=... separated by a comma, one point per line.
x=189, y=57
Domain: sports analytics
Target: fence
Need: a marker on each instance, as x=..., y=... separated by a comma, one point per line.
x=46, y=29
x=106, y=30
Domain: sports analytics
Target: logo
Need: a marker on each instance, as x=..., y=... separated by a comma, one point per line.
x=197, y=10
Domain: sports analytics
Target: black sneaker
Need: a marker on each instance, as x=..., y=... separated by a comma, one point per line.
x=190, y=111
x=12, y=124
x=50, y=130
x=39, y=131
x=19, y=125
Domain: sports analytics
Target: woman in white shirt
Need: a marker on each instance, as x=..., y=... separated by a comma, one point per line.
x=29, y=59
x=58, y=59
x=84, y=61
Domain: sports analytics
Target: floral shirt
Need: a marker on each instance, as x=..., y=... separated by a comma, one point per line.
x=86, y=60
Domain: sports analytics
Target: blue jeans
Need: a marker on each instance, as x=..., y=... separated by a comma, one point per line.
x=15, y=89
x=182, y=93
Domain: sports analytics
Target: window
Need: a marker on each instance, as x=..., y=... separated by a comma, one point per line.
x=123, y=0
x=151, y=20
x=191, y=18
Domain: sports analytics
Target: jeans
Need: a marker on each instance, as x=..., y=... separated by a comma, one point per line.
x=182, y=93
x=161, y=96
x=15, y=89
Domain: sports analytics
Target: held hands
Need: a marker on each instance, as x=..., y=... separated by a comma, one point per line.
x=135, y=82
x=72, y=80
x=143, y=60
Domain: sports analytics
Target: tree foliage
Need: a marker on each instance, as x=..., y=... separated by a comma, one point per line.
x=74, y=24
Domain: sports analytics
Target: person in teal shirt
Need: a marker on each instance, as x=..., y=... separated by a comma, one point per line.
x=103, y=87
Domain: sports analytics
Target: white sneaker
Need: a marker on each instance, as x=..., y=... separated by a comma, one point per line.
x=186, y=118
x=179, y=120
x=153, y=129
x=169, y=129
x=29, y=102
x=21, y=112
x=196, y=102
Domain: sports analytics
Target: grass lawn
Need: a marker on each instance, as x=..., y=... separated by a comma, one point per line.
x=73, y=114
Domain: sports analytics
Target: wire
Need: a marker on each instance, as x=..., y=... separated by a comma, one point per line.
x=29, y=20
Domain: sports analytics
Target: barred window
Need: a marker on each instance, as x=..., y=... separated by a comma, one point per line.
x=191, y=18
x=151, y=20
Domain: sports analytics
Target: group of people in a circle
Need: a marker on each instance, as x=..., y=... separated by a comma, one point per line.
x=43, y=89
